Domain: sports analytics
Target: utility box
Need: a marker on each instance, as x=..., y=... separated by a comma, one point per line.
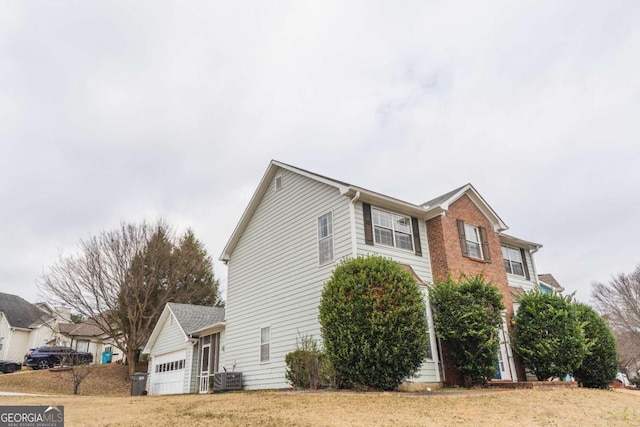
x=225, y=381
x=139, y=384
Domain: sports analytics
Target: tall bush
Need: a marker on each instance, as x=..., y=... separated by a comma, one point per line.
x=467, y=316
x=374, y=324
x=548, y=335
x=600, y=364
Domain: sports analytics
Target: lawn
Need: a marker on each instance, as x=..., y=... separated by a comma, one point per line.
x=560, y=407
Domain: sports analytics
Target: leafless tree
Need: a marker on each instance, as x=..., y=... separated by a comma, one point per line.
x=78, y=371
x=121, y=279
x=619, y=302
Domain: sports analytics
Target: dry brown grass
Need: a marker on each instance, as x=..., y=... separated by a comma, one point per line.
x=565, y=407
x=109, y=380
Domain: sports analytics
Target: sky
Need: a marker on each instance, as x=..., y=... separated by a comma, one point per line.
x=129, y=111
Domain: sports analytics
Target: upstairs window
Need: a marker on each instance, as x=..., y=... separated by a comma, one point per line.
x=325, y=238
x=513, y=261
x=472, y=236
x=473, y=241
x=278, y=184
x=391, y=229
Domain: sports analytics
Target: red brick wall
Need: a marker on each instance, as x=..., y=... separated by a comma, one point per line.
x=446, y=257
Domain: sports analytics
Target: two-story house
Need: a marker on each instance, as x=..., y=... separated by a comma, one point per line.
x=299, y=225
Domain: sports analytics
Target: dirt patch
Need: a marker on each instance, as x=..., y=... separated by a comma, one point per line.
x=103, y=380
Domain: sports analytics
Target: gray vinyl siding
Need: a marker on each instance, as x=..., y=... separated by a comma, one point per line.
x=274, y=276
x=521, y=281
x=428, y=372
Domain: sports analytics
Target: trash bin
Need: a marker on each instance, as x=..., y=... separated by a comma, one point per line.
x=106, y=357
x=139, y=384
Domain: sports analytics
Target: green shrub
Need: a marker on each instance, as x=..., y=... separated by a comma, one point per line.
x=467, y=316
x=303, y=364
x=548, y=335
x=374, y=323
x=600, y=364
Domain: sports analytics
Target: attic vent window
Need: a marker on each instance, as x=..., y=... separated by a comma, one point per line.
x=278, y=182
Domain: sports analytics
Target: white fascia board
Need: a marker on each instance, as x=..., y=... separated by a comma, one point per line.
x=158, y=327
x=263, y=186
x=397, y=205
x=216, y=327
x=478, y=200
x=505, y=238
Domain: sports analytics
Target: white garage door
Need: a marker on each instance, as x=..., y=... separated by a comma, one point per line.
x=167, y=373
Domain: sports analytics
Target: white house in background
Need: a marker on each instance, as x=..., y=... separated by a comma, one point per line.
x=184, y=349
x=87, y=336
x=24, y=325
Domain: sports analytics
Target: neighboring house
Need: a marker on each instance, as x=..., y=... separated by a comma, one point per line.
x=87, y=336
x=549, y=284
x=184, y=349
x=297, y=228
x=24, y=325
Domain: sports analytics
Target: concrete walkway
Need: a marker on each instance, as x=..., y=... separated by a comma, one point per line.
x=11, y=393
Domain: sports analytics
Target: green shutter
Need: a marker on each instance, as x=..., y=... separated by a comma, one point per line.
x=416, y=236
x=485, y=244
x=463, y=238
x=525, y=267
x=368, y=225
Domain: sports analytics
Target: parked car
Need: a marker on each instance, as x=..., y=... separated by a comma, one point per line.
x=46, y=357
x=9, y=366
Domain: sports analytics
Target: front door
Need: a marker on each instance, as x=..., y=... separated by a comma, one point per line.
x=204, y=368
x=505, y=366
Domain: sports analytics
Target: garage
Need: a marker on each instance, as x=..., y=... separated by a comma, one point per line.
x=167, y=373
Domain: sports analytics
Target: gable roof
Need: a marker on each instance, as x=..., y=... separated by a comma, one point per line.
x=195, y=317
x=19, y=312
x=84, y=329
x=190, y=318
x=550, y=280
x=426, y=210
x=443, y=202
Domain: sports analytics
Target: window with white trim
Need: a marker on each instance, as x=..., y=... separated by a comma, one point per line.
x=513, y=261
x=391, y=229
x=472, y=236
x=325, y=238
x=1, y=342
x=265, y=344
x=278, y=184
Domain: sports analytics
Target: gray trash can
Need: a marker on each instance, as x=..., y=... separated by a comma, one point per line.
x=139, y=384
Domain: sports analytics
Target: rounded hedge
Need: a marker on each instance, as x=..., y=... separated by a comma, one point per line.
x=548, y=335
x=468, y=317
x=600, y=364
x=374, y=324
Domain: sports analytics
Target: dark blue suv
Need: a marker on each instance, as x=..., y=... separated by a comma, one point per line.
x=46, y=357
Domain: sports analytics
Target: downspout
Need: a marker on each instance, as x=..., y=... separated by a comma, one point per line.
x=352, y=217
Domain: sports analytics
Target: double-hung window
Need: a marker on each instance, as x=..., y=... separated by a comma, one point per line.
x=472, y=236
x=265, y=344
x=392, y=229
x=325, y=238
x=474, y=241
x=513, y=262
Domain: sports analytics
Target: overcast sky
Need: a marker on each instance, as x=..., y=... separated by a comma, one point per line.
x=123, y=111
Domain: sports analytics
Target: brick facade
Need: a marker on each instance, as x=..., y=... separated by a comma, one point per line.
x=446, y=257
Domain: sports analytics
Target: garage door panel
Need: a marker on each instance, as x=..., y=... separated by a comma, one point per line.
x=167, y=373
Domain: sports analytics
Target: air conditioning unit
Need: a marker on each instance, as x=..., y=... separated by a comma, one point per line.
x=225, y=381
